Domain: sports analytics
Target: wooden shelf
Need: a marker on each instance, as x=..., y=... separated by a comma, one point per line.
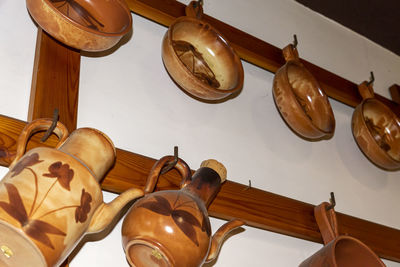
x=255, y=51
x=258, y=208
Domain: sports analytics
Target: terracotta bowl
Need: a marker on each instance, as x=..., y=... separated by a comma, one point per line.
x=301, y=101
x=200, y=60
x=87, y=25
x=376, y=130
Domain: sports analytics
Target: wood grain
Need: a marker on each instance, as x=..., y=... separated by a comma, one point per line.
x=55, y=81
x=254, y=50
x=258, y=208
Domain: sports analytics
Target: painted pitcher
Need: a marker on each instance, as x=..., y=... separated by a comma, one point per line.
x=51, y=198
x=172, y=228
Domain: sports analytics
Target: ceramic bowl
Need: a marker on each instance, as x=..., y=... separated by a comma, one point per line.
x=301, y=101
x=200, y=60
x=87, y=25
x=376, y=130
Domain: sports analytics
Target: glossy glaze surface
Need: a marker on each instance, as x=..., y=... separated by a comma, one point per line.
x=84, y=25
x=339, y=250
x=51, y=197
x=200, y=60
x=172, y=228
x=300, y=99
x=376, y=130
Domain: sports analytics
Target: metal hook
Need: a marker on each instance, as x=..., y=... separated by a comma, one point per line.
x=295, y=42
x=52, y=126
x=371, y=79
x=171, y=164
x=198, y=3
x=332, y=201
x=248, y=187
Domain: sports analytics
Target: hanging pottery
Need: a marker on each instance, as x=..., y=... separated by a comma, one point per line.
x=50, y=197
x=199, y=58
x=172, y=228
x=300, y=99
x=86, y=25
x=376, y=130
x=339, y=250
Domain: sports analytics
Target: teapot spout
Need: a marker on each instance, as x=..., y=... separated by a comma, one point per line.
x=105, y=213
x=219, y=237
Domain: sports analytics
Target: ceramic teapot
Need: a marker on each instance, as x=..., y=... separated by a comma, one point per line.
x=339, y=250
x=51, y=197
x=300, y=99
x=172, y=228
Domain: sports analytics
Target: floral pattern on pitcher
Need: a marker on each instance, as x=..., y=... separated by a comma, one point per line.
x=35, y=226
x=185, y=220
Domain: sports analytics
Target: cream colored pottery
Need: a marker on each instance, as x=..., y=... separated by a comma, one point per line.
x=51, y=198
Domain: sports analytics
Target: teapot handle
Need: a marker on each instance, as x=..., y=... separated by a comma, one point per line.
x=366, y=90
x=327, y=222
x=33, y=127
x=155, y=172
x=290, y=53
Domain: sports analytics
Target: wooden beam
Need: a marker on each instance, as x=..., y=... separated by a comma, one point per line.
x=254, y=50
x=258, y=208
x=55, y=81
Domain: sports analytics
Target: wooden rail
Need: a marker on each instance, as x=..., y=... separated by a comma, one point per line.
x=257, y=207
x=255, y=51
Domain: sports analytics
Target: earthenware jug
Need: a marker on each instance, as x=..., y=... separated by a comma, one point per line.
x=300, y=99
x=51, y=197
x=172, y=228
x=376, y=130
x=339, y=250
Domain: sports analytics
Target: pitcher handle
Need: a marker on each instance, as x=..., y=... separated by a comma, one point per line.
x=33, y=127
x=327, y=222
x=155, y=172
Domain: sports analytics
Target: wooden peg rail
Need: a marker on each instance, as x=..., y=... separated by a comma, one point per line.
x=256, y=51
x=257, y=207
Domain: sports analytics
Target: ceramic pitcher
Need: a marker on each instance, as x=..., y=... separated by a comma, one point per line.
x=51, y=197
x=172, y=228
x=339, y=250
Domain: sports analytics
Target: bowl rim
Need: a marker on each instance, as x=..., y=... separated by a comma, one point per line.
x=392, y=114
x=220, y=37
x=315, y=82
x=87, y=29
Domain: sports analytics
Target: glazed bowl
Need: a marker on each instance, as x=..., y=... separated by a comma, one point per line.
x=200, y=60
x=300, y=99
x=376, y=130
x=87, y=25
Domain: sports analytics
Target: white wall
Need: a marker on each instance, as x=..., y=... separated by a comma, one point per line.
x=130, y=97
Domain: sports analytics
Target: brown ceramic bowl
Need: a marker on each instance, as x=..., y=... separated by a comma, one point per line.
x=200, y=60
x=301, y=101
x=376, y=130
x=87, y=25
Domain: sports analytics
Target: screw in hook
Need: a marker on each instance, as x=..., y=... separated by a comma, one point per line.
x=198, y=3
x=371, y=79
x=332, y=201
x=248, y=187
x=171, y=164
x=295, y=42
x=52, y=126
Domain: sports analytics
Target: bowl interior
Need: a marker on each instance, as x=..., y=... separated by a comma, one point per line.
x=205, y=54
x=108, y=17
x=384, y=127
x=311, y=98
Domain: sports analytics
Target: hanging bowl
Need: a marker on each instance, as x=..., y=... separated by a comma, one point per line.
x=88, y=25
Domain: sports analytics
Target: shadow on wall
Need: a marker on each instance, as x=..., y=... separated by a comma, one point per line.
x=358, y=165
